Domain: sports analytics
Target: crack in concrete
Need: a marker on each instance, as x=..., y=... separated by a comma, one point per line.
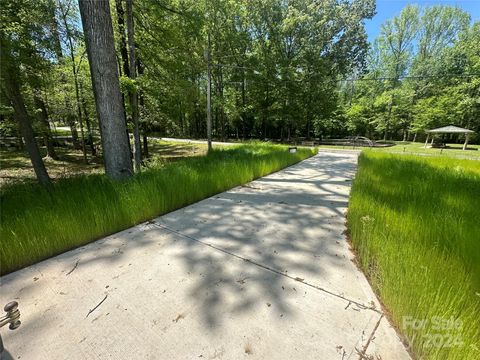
x=360, y=305
x=362, y=355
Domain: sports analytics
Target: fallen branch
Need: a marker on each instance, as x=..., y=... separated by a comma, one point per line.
x=74, y=267
x=100, y=303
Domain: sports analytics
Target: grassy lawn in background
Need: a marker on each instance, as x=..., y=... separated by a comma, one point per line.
x=414, y=222
x=416, y=148
x=38, y=222
x=452, y=150
x=15, y=166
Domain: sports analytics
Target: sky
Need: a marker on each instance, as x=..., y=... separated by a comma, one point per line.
x=387, y=9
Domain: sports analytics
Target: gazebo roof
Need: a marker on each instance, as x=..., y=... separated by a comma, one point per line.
x=450, y=129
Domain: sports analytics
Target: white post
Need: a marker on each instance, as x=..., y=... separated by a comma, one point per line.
x=466, y=142
x=426, y=141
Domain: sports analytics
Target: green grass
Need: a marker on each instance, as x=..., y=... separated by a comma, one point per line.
x=415, y=225
x=416, y=148
x=452, y=150
x=38, y=222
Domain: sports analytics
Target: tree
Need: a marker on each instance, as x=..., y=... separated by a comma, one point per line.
x=98, y=31
x=421, y=74
x=137, y=149
x=396, y=41
x=11, y=88
x=24, y=37
x=64, y=12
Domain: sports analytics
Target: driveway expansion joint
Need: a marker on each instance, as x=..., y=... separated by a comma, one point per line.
x=278, y=272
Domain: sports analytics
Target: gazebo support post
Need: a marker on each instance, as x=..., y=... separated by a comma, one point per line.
x=426, y=141
x=466, y=142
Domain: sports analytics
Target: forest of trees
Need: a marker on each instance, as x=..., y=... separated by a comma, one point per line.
x=279, y=70
x=428, y=60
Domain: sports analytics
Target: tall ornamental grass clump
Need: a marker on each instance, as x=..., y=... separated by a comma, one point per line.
x=415, y=225
x=38, y=222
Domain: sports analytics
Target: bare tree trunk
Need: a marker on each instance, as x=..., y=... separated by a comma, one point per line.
x=243, y=114
x=145, y=144
x=123, y=66
x=73, y=129
x=97, y=25
x=12, y=90
x=137, y=146
x=75, y=79
x=87, y=121
x=42, y=116
x=209, y=98
x=387, y=121
x=57, y=45
x=123, y=41
x=142, y=106
x=222, y=109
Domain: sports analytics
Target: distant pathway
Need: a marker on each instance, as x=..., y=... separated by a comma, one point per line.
x=262, y=271
x=198, y=141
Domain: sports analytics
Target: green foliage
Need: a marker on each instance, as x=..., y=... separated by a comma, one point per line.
x=275, y=63
x=414, y=225
x=38, y=222
x=438, y=51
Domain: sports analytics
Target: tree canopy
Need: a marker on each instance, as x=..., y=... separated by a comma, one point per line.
x=279, y=70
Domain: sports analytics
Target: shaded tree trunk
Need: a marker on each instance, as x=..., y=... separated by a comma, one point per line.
x=97, y=25
x=12, y=90
x=387, y=121
x=142, y=106
x=57, y=45
x=137, y=148
x=123, y=65
x=93, y=151
x=73, y=130
x=123, y=41
x=75, y=79
x=42, y=116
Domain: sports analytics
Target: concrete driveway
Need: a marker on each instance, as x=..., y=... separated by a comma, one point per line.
x=262, y=271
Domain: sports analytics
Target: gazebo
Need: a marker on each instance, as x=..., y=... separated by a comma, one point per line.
x=451, y=129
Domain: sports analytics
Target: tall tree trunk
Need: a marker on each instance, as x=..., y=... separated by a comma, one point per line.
x=123, y=41
x=209, y=97
x=12, y=90
x=145, y=144
x=57, y=45
x=91, y=142
x=222, y=109
x=73, y=128
x=142, y=106
x=137, y=148
x=75, y=80
x=244, y=114
x=125, y=111
x=123, y=66
x=97, y=25
x=42, y=116
x=93, y=151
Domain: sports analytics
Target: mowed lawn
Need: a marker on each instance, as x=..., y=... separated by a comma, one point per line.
x=415, y=224
x=451, y=150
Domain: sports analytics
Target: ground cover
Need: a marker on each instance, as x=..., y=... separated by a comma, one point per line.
x=416, y=148
x=38, y=222
x=15, y=166
x=414, y=223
